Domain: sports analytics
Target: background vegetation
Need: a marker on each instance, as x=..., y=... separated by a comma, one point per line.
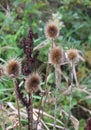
x=16, y=18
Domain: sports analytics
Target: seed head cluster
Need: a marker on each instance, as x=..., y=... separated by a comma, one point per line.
x=13, y=68
x=72, y=54
x=55, y=55
x=51, y=30
x=32, y=83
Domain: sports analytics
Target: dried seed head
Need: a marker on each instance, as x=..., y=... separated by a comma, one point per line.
x=72, y=54
x=55, y=55
x=51, y=30
x=1, y=71
x=13, y=68
x=32, y=83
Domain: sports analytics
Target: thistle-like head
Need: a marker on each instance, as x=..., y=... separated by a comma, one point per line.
x=51, y=30
x=55, y=55
x=13, y=68
x=33, y=82
x=72, y=54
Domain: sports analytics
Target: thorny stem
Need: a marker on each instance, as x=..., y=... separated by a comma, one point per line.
x=56, y=93
x=30, y=113
x=75, y=76
x=53, y=42
x=27, y=104
x=20, y=95
x=17, y=101
x=71, y=88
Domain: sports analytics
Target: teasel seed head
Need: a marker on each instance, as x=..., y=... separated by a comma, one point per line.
x=55, y=55
x=13, y=68
x=32, y=83
x=51, y=30
x=1, y=71
x=72, y=54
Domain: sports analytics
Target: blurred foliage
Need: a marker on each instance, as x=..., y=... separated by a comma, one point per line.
x=16, y=18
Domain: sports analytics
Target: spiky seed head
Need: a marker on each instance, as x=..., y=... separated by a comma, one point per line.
x=13, y=68
x=32, y=83
x=72, y=54
x=55, y=55
x=51, y=30
x=1, y=71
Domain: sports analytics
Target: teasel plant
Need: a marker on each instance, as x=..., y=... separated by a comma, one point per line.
x=51, y=31
x=73, y=57
x=13, y=70
x=30, y=80
x=29, y=62
x=57, y=57
x=32, y=85
x=54, y=58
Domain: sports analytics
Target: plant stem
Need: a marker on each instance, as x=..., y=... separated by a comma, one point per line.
x=17, y=102
x=30, y=113
x=71, y=88
x=20, y=95
x=56, y=93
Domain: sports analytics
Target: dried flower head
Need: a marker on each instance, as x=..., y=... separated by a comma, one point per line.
x=13, y=68
x=72, y=54
x=32, y=83
x=1, y=71
x=51, y=30
x=55, y=55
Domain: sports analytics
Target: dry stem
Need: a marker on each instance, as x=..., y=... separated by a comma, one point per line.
x=71, y=88
x=17, y=101
x=56, y=93
x=30, y=113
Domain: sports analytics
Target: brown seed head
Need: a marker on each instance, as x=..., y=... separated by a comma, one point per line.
x=55, y=55
x=1, y=71
x=72, y=54
x=13, y=68
x=32, y=83
x=51, y=30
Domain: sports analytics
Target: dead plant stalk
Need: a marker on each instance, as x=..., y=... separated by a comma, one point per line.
x=17, y=102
